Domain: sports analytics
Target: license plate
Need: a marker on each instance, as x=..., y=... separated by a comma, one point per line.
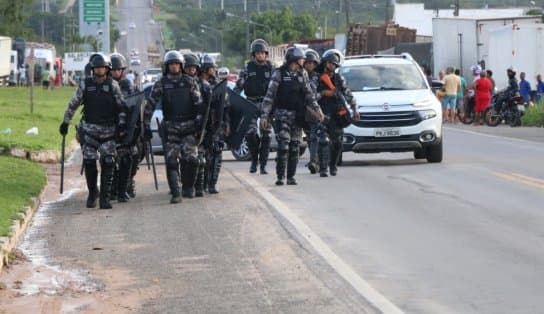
x=387, y=132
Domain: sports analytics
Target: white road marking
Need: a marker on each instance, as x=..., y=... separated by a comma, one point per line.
x=375, y=298
x=500, y=137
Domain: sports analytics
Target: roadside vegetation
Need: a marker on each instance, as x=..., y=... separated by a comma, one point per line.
x=16, y=119
x=534, y=116
x=20, y=180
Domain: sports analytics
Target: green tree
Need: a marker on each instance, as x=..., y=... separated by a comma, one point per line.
x=13, y=17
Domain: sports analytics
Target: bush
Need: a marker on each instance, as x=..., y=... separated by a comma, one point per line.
x=534, y=116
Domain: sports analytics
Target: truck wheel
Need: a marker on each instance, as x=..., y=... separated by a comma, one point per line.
x=434, y=153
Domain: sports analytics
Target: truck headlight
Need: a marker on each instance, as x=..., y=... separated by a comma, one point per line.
x=427, y=114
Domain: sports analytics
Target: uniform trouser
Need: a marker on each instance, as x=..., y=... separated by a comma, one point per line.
x=137, y=152
x=321, y=140
x=335, y=136
x=259, y=146
x=99, y=144
x=200, y=183
x=181, y=151
x=214, y=159
x=121, y=175
x=289, y=137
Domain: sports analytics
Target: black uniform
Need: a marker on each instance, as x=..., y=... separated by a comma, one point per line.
x=254, y=82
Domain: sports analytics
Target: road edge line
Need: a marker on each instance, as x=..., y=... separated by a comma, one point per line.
x=514, y=139
x=375, y=298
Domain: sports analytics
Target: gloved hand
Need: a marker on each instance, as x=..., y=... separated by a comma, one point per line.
x=148, y=134
x=326, y=119
x=327, y=93
x=63, y=129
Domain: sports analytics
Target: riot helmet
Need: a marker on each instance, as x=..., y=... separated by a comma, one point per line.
x=191, y=60
x=223, y=73
x=259, y=45
x=334, y=56
x=293, y=54
x=312, y=56
x=118, y=61
x=207, y=62
x=173, y=56
x=100, y=60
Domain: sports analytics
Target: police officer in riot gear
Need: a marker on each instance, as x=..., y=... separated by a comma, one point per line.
x=254, y=82
x=182, y=112
x=217, y=127
x=288, y=95
x=104, y=120
x=122, y=170
x=311, y=62
x=192, y=68
x=331, y=104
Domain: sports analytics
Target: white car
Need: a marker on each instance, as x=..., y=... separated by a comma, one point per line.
x=135, y=61
x=132, y=25
x=151, y=75
x=399, y=112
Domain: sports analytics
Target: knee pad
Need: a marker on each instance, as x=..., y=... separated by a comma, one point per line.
x=191, y=161
x=108, y=161
x=89, y=163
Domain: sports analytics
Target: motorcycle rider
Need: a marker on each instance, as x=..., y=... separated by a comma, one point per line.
x=104, y=120
x=311, y=62
x=330, y=104
x=288, y=94
x=123, y=165
x=182, y=111
x=254, y=82
x=511, y=90
x=217, y=128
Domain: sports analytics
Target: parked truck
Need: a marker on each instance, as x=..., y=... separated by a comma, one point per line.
x=364, y=39
x=5, y=59
x=462, y=41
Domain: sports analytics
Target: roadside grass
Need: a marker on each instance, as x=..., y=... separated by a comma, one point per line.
x=49, y=107
x=19, y=181
x=534, y=116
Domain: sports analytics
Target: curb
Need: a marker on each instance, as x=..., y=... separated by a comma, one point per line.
x=18, y=229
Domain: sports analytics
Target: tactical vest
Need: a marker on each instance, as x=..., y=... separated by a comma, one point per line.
x=177, y=104
x=258, y=77
x=329, y=105
x=99, y=102
x=290, y=94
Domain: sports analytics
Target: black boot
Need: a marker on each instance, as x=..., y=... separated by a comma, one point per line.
x=292, y=163
x=253, y=146
x=336, y=150
x=106, y=178
x=199, y=184
x=215, y=168
x=173, y=184
x=114, y=183
x=131, y=188
x=188, y=179
x=264, y=151
x=281, y=163
x=323, y=153
x=91, y=176
x=125, y=165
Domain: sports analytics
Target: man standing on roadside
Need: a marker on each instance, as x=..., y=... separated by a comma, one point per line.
x=452, y=84
x=524, y=87
x=104, y=121
x=539, y=88
x=461, y=93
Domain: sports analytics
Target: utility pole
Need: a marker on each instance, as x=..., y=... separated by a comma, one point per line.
x=247, y=26
x=456, y=9
x=387, y=4
x=338, y=16
x=347, y=6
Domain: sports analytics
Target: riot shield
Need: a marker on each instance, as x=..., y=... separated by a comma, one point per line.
x=242, y=111
x=218, y=104
x=134, y=105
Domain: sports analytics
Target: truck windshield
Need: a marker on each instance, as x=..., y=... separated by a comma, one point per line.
x=372, y=77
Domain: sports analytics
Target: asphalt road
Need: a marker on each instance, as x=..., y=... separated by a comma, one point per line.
x=145, y=33
x=463, y=236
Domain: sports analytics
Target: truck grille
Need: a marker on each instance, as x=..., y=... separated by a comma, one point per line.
x=388, y=119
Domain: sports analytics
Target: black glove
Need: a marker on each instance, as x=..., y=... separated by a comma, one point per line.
x=148, y=134
x=63, y=129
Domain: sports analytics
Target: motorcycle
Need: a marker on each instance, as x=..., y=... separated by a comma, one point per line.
x=466, y=114
x=505, y=108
